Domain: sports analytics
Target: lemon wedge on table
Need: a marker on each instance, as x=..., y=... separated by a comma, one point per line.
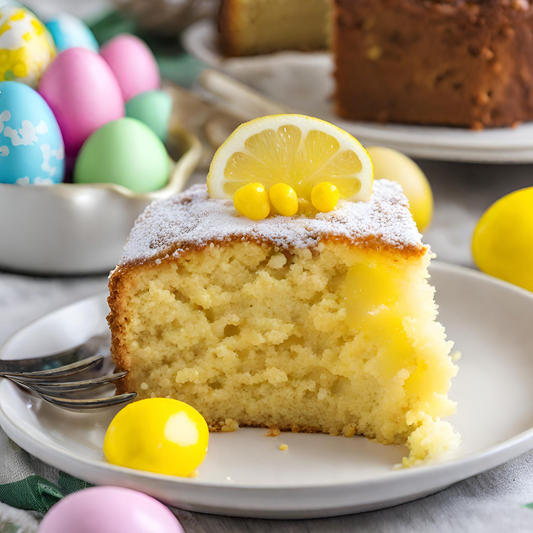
x=297, y=150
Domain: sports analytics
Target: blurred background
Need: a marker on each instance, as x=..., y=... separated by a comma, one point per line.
x=462, y=191
x=159, y=22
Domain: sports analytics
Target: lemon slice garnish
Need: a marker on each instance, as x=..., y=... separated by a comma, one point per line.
x=296, y=150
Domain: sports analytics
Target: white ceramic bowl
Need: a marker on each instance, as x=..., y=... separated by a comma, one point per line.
x=79, y=229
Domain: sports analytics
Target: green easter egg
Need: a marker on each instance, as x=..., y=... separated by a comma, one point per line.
x=153, y=108
x=125, y=152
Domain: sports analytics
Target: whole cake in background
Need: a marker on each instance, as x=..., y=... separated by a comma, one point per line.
x=250, y=27
x=455, y=62
x=451, y=62
x=322, y=321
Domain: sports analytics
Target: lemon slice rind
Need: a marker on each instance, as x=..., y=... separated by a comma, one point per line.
x=236, y=144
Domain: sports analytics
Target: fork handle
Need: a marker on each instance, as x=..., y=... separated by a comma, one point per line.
x=31, y=365
x=40, y=363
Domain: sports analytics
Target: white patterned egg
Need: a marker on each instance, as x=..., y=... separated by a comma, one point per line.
x=31, y=145
x=26, y=46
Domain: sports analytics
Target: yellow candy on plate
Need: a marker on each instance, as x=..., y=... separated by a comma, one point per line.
x=252, y=201
x=158, y=435
x=503, y=239
x=325, y=196
x=284, y=199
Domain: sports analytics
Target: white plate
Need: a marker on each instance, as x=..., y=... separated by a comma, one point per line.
x=245, y=473
x=303, y=82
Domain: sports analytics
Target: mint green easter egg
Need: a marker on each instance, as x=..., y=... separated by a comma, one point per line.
x=153, y=108
x=125, y=152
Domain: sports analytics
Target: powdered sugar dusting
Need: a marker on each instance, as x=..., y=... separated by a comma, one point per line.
x=193, y=219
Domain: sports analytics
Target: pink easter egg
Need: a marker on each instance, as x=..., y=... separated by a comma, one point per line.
x=133, y=63
x=83, y=93
x=109, y=510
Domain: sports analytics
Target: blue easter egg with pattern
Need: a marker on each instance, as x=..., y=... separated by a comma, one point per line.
x=31, y=145
x=69, y=31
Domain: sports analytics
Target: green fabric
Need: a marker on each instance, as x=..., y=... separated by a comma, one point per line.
x=24, y=484
x=33, y=493
x=29, y=484
x=69, y=484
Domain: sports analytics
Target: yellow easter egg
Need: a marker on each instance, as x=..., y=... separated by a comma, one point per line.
x=502, y=244
x=26, y=46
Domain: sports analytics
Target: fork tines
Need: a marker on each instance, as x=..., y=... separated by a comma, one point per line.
x=46, y=385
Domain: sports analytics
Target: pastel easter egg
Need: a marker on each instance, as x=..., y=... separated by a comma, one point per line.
x=31, y=146
x=109, y=510
x=83, y=93
x=153, y=108
x=502, y=244
x=69, y=31
x=133, y=63
x=125, y=152
x=26, y=46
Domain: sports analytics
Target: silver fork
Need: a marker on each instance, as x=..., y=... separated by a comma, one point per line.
x=49, y=385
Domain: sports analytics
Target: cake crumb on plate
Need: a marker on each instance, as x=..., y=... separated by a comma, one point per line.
x=273, y=432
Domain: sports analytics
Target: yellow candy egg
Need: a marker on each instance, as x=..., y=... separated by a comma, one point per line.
x=395, y=166
x=26, y=46
x=284, y=199
x=503, y=239
x=252, y=201
x=157, y=435
x=324, y=196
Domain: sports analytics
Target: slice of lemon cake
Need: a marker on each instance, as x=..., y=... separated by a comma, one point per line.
x=317, y=322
